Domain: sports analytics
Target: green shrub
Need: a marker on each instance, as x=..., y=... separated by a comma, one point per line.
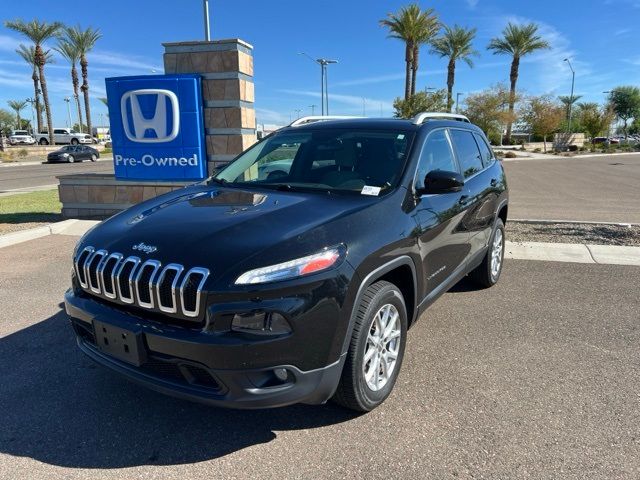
x=23, y=152
x=537, y=150
x=510, y=155
x=107, y=150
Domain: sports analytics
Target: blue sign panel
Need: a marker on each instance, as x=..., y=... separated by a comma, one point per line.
x=157, y=129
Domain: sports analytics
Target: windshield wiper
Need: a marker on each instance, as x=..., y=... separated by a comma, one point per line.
x=219, y=181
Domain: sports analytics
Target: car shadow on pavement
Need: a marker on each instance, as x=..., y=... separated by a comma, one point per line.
x=60, y=408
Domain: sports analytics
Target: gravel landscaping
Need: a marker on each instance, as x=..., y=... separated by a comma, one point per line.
x=597, y=234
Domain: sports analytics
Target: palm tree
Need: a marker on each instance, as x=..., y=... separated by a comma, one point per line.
x=456, y=44
x=414, y=27
x=17, y=106
x=39, y=32
x=517, y=41
x=28, y=54
x=426, y=29
x=568, y=102
x=70, y=52
x=84, y=41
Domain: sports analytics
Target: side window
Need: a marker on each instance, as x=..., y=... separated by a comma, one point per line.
x=436, y=155
x=485, y=151
x=56, y=131
x=468, y=153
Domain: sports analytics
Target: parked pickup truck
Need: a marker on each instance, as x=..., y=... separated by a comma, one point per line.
x=64, y=135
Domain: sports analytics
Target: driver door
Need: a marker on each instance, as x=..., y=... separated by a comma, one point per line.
x=443, y=239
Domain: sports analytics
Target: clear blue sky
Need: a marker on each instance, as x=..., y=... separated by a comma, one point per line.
x=602, y=39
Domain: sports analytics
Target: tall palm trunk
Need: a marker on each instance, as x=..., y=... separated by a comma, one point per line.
x=45, y=92
x=36, y=98
x=85, y=91
x=76, y=85
x=407, y=79
x=515, y=65
x=414, y=69
x=451, y=72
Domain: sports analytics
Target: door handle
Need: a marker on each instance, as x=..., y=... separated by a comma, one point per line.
x=463, y=199
x=494, y=182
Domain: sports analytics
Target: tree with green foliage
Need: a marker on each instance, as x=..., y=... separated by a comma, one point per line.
x=6, y=122
x=17, y=106
x=568, y=101
x=456, y=44
x=625, y=102
x=28, y=54
x=543, y=116
x=517, y=41
x=634, y=129
x=421, y=102
x=39, y=32
x=414, y=27
x=83, y=40
x=489, y=110
x=594, y=118
x=70, y=52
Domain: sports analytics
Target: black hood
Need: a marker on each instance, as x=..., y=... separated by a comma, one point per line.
x=221, y=227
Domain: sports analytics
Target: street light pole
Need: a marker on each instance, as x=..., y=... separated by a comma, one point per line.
x=313, y=109
x=573, y=80
x=31, y=101
x=324, y=90
x=207, y=29
x=68, y=102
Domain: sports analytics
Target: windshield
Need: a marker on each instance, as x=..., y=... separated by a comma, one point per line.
x=20, y=132
x=366, y=161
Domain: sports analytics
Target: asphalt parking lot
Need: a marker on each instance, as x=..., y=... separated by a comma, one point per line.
x=535, y=378
x=597, y=189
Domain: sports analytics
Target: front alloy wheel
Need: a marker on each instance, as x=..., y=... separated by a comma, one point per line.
x=488, y=272
x=376, y=349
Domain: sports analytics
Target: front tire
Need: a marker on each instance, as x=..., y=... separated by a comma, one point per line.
x=74, y=141
x=488, y=272
x=71, y=159
x=376, y=350
x=93, y=158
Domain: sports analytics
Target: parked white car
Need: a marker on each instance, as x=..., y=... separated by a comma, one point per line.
x=21, y=137
x=64, y=136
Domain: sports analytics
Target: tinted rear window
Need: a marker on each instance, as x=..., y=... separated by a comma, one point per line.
x=468, y=154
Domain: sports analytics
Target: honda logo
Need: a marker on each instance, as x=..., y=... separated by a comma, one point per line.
x=158, y=123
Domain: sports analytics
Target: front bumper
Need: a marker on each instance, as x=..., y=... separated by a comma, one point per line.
x=206, y=366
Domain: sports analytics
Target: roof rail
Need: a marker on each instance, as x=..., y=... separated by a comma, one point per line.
x=421, y=117
x=305, y=120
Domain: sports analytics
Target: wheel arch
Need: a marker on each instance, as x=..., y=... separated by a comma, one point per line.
x=394, y=272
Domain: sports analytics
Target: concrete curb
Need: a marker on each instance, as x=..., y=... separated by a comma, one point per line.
x=65, y=227
x=572, y=222
x=42, y=162
x=573, y=253
x=18, y=191
x=547, y=156
x=549, y=252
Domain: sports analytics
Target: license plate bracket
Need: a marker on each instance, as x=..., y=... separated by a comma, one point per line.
x=121, y=343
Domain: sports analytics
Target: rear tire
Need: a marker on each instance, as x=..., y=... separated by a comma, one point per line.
x=488, y=272
x=43, y=141
x=74, y=141
x=379, y=335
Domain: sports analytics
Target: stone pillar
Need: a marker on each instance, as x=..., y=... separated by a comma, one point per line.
x=226, y=67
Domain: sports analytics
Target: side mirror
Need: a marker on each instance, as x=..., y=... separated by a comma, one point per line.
x=440, y=181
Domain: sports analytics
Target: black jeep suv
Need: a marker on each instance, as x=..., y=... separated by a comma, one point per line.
x=293, y=274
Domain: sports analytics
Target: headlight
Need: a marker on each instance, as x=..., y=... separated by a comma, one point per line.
x=65, y=154
x=293, y=268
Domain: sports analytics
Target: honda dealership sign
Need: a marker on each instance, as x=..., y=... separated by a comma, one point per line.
x=157, y=129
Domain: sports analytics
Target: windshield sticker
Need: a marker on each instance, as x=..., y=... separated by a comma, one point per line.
x=370, y=190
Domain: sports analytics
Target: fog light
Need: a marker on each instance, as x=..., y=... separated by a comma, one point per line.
x=281, y=374
x=261, y=323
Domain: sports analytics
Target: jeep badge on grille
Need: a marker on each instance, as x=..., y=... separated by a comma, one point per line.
x=143, y=247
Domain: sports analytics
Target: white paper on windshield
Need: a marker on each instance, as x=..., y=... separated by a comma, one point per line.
x=370, y=190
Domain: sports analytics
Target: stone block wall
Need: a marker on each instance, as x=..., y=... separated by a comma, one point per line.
x=227, y=90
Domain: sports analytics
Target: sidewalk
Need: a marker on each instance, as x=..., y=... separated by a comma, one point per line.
x=108, y=157
x=549, y=252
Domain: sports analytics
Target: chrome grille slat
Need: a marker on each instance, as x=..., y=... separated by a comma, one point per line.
x=194, y=271
x=148, y=284
x=96, y=259
x=123, y=298
x=113, y=293
x=174, y=283
x=156, y=266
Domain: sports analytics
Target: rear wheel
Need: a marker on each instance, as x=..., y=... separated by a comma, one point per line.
x=74, y=141
x=43, y=141
x=376, y=349
x=488, y=272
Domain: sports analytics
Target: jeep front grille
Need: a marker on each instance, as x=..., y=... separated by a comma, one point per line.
x=147, y=284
